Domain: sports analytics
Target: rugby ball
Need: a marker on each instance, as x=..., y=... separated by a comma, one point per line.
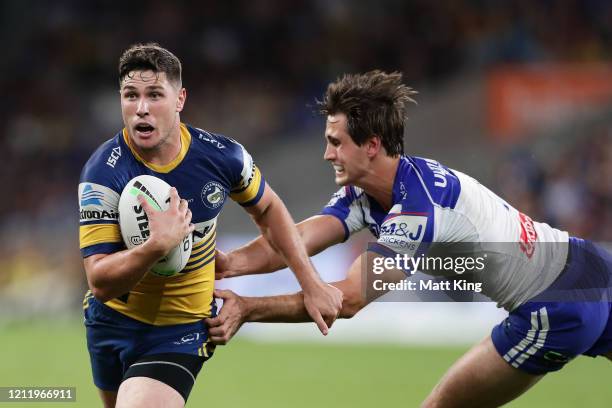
x=134, y=223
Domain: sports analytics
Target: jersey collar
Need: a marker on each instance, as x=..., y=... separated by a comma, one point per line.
x=395, y=189
x=165, y=168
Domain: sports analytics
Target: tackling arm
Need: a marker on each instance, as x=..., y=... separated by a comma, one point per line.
x=322, y=301
x=290, y=308
x=259, y=256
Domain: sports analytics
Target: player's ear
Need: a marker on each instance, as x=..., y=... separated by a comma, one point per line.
x=180, y=101
x=373, y=145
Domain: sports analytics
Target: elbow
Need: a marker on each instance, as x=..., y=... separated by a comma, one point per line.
x=102, y=295
x=98, y=290
x=352, y=297
x=351, y=305
x=97, y=279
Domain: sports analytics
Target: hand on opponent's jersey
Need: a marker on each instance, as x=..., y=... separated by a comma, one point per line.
x=322, y=301
x=222, y=265
x=233, y=314
x=168, y=228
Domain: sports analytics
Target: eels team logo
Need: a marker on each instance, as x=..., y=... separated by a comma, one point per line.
x=213, y=195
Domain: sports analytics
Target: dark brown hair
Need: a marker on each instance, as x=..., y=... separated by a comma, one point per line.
x=374, y=104
x=150, y=56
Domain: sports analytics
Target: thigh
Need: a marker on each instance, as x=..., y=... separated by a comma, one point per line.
x=481, y=378
x=144, y=392
x=603, y=345
x=104, y=345
x=540, y=337
x=175, y=370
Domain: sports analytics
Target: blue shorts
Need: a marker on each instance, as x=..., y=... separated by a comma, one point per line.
x=542, y=336
x=117, y=342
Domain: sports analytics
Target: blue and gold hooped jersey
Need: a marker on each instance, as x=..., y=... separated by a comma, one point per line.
x=208, y=169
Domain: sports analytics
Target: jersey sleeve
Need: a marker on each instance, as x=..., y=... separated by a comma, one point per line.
x=345, y=206
x=98, y=213
x=247, y=181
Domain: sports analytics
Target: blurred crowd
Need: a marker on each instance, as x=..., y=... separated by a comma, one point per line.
x=251, y=68
x=572, y=190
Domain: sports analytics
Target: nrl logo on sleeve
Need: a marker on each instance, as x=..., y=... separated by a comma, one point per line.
x=213, y=195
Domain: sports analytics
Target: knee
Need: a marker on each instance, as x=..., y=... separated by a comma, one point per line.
x=430, y=403
x=435, y=399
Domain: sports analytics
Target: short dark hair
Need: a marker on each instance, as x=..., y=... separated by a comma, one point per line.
x=150, y=56
x=374, y=104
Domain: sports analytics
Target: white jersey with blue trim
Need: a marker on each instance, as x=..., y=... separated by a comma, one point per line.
x=432, y=204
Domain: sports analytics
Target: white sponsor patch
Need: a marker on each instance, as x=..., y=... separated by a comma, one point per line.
x=403, y=233
x=97, y=203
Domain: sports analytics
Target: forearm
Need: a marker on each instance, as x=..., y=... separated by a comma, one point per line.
x=116, y=274
x=290, y=308
x=282, y=236
x=276, y=309
x=256, y=257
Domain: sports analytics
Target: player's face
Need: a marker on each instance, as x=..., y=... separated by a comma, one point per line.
x=150, y=106
x=349, y=160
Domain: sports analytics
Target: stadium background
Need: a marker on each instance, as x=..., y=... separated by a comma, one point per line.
x=516, y=93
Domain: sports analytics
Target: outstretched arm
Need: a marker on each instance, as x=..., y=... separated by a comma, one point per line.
x=282, y=240
x=290, y=308
x=259, y=256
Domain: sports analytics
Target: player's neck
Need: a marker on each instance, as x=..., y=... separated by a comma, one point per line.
x=166, y=152
x=379, y=181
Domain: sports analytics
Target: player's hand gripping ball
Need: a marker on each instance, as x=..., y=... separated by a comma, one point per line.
x=134, y=223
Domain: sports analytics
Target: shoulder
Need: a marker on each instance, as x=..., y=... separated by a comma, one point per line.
x=429, y=171
x=425, y=179
x=99, y=189
x=105, y=162
x=219, y=148
x=346, y=196
x=205, y=139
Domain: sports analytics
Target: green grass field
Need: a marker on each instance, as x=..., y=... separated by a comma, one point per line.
x=246, y=374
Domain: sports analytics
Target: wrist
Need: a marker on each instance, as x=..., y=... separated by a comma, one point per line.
x=235, y=264
x=246, y=309
x=311, y=283
x=154, y=248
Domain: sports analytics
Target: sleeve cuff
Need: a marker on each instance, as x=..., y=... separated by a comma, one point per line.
x=335, y=213
x=106, y=248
